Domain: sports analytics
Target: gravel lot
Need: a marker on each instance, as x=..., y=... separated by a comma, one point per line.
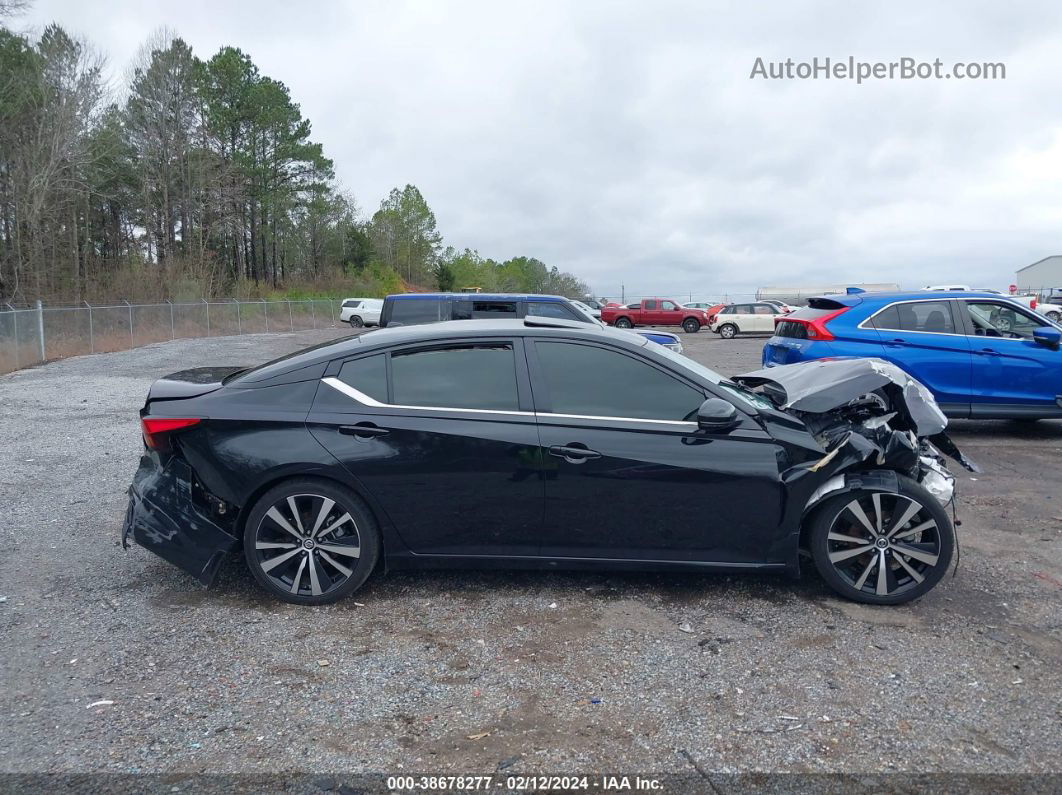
x=464, y=672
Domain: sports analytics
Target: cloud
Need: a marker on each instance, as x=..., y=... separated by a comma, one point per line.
x=626, y=142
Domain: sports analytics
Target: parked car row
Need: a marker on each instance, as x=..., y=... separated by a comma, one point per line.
x=982, y=354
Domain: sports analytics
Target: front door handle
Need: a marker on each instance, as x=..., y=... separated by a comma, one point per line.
x=363, y=431
x=574, y=454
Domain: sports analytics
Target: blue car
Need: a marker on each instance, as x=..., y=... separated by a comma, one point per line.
x=981, y=354
x=406, y=309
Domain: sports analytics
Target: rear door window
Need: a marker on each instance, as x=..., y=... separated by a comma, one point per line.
x=470, y=376
x=412, y=311
x=930, y=317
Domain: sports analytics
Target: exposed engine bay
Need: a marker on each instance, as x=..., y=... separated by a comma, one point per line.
x=865, y=411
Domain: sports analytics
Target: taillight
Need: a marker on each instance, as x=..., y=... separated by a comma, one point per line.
x=1032, y=304
x=157, y=429
x=815, y=328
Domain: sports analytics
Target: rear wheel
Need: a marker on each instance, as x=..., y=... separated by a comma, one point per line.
x=728, y=331
x=356, y=322
x=690, y=325
x=310, y=542
x=1053, y=316
x=881, y=547
x=624, y=322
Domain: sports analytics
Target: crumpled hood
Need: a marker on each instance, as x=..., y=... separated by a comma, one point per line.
x=826, y=384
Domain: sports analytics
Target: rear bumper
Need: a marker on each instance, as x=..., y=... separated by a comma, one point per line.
x=163, y=518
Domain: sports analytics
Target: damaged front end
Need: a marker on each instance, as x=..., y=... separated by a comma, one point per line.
x=867, y=414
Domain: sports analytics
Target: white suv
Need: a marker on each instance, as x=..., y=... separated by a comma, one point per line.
x=360, y=312
x=755, y=318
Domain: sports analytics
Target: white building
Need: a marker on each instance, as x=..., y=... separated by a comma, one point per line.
x=1040, y=277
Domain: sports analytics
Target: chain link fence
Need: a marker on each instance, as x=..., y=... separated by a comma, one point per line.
x=36, y=334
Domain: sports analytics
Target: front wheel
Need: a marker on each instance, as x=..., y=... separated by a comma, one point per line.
x=310, y=542
x=1054, y=317
x=356, y=322
x=728, y=331
x=624, y=323
x=690, y=325
x=881, y=547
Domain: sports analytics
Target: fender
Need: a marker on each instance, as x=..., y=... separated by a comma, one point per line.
x=872, y=480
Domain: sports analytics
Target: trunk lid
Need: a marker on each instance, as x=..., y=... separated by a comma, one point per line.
x=190, y=383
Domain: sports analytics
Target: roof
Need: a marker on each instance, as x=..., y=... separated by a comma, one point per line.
x=855, y=299
x=445, y=330
x=477, y=296
x=1038, y=262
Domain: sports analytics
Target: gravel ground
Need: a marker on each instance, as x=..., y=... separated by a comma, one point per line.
x=469, y=671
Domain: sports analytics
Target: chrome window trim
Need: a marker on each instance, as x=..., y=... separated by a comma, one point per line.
x=361, y=397
x=905, y=331
x=1014, y=305
x=366, y=400
x=550, y=415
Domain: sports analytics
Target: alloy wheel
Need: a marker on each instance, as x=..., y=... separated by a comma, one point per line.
x=727, y=331
x=307, y=544
x=356, y=322
x=883, y=544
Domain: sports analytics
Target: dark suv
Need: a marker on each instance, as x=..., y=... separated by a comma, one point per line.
x=410, y=309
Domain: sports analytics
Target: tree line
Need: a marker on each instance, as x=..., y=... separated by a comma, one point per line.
x=202, y=181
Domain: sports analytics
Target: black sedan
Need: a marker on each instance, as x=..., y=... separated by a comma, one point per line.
x=541, y=443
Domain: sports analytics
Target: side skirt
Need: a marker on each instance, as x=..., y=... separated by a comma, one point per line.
x=414, y=561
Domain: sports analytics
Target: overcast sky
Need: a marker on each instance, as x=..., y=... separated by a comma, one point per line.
x=626, y=142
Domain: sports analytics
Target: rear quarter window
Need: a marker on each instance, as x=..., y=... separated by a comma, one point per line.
x=368, y=375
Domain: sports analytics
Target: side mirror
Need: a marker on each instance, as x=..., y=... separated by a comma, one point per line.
x=1048, y=336
x=716, y=414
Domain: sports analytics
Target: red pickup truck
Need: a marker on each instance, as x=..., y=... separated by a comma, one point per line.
x=655, y=312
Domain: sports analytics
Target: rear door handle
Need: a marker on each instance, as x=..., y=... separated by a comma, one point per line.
x=573, y=455
x=365, y=431
x=989, y=352
x=894, y=343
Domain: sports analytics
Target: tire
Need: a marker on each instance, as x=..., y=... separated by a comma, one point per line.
x=313, y=569
x=1053, y=316
x=854, y=569
x=623, y=322
x=356, y=322
x=1002, y=323
x=690, y=325
x=728, y=331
